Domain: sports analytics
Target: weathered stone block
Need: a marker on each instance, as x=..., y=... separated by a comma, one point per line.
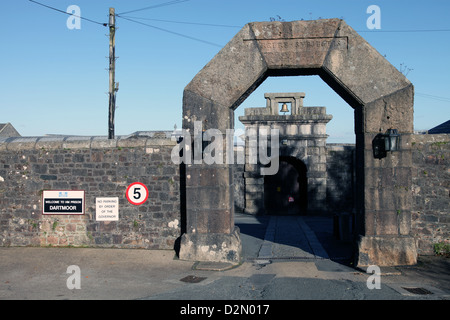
x=40, y=168
x=365, y=72
x=211, y=114
x=296, y=45
x=203, y=176
x=386, y=223
x=386, y=251
x=48, y=177
x=239, y=65
x=218, y=247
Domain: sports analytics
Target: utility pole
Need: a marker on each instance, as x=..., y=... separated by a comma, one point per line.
x=112, y=71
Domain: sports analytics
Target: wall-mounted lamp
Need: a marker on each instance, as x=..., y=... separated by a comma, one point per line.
x=392, y=140
x=382, y=143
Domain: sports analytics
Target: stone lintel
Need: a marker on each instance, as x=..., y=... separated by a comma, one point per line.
x=282, y=95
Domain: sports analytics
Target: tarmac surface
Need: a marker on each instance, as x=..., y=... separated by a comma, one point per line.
x=284, y=258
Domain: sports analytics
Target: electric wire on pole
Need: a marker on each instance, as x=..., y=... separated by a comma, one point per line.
x=112, y=69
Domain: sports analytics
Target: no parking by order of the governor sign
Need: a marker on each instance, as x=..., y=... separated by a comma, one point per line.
x=137, y=193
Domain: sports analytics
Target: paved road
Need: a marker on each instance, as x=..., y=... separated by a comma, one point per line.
x=285, y=238
x=285, y=258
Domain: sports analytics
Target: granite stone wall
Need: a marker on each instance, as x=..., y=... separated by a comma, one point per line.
x=105, y=168
x=102, y=168
x=431, y=191
x=340, y=178
x=239, y=188
x=430, y=187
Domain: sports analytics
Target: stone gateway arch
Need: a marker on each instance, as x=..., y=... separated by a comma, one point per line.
x=382, y=99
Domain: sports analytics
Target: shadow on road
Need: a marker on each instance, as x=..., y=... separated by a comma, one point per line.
x=290, y=241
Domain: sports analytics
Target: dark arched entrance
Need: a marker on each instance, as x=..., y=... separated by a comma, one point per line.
x=286, y=192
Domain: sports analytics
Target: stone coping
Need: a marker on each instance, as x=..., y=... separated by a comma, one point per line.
x=430, y=138
x=138, y=139
x=294, y=119
x=303, y=112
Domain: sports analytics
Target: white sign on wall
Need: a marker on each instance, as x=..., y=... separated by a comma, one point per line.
x=107, y=209
x=65, y=202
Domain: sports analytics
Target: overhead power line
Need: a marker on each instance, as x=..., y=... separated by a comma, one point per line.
x=405, y=31
x=155, y=6
x=70, y=14
x=185, y=22
x=172, y=32
x=424, y=95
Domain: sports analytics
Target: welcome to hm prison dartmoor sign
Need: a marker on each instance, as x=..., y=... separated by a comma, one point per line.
x=63, y=202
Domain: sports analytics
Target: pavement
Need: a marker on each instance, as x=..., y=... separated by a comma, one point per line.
x=284, y=258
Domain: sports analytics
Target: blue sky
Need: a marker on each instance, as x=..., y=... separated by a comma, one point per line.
x=55, y=80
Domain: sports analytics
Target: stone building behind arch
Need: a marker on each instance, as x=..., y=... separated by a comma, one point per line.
x=302, y=134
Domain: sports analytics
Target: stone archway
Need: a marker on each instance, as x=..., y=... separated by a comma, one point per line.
x=380, y=95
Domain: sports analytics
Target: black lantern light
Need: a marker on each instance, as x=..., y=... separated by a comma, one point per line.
x=384, y=142
x=392, y=140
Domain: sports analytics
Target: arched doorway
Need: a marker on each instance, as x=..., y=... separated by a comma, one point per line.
x=286, y=192
x=382, y=99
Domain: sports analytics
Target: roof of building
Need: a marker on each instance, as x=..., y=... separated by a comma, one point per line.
x=442, y=128
x=7, y=130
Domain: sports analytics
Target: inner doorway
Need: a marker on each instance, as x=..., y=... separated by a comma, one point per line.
x=286, y=193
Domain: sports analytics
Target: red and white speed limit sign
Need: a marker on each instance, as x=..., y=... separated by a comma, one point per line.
x=137, y=193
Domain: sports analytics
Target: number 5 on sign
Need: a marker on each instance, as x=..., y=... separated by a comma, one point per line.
x=137, y=193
